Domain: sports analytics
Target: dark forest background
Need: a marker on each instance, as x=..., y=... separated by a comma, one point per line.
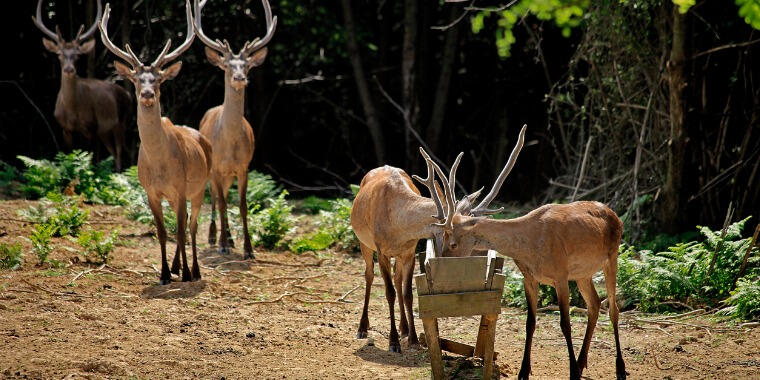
x=662, y=105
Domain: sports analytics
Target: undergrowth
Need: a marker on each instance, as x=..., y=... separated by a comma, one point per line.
x=333, y=230
x=11, y=256
x=271, y=224
x=97, y=245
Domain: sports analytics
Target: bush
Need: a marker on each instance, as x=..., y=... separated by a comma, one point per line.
x=11, y=256
x=261, y=187
x=271, y=224
x=8, y=174
x=96, y=244
x=313, y=242
x=71, y=174
x=744, y=302
x=333, y=228
x=59, y=212
x=313, y=205
x=40, y=240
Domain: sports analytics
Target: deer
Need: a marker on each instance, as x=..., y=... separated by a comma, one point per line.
x=174, y=161
x=552, y=244
x=389, y=216
x=226, y=127
x=84, y=105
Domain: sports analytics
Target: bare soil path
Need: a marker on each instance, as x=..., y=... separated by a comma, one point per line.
x=282, y=317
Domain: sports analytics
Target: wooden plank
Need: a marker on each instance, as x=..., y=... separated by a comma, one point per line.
x=436, y=360
x=463, y=349
x=457, y=274
x=422, y=285
x=490, y=339
x=459, y=304
x=498, y=282
x=480, y=343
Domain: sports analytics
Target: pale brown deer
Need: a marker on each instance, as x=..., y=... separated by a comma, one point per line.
x=389, y=216
x=86, y=106
x=174, y=161
x=552, y=245
x=225, y=126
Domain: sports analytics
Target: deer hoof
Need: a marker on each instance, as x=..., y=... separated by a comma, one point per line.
x=394, y=347
x=249, y=255
x=165, y=282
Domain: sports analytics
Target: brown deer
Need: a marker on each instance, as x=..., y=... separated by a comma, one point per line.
x=389, y=216
x=225, y=126
x=85, y=105
x=552, y=244
x=174, y=161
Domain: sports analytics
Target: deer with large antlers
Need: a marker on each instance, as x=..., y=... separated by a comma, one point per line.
x=85, y=106
x=227, y=129
x=552, y=244
x=174, y=161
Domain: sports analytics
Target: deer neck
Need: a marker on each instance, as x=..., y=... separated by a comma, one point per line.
x=510, y=237
x=417, y=218
x=69, y=90
x=233, y=107
x=153, y=135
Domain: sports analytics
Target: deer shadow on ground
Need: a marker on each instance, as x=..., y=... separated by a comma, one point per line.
x=210, y=258
x=174, y=290
x=407, y=358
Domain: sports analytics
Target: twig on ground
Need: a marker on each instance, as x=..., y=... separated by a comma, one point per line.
x=84, y=272
x=272, y=262
x=60, y=294
x=348, y=293
x=657, y=363
x=278, y=299
x=578, y=310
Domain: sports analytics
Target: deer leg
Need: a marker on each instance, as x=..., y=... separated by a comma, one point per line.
x=68, y=139
x=531, y=297
x=224, y=247
x=182, y=235
x=196, y=203
x=610, y=279
x=397, y=283
x=175, y=262
x=118, y=136
x=586, y=287
x=369, y=275
x=242, y=189
x=390, y=295
x=212, y=226
x=563, y=298
x=158, y=218
x=106, y=138
x=226, y=184
x=408, y=272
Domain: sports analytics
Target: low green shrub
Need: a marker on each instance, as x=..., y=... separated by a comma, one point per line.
x=313, y=242
x=11, y=256
x=8, y=174
x=261, y=187
x=40, y=239
x=97, y=245
x=313, y=205
x=337, y=223
x=744, y=302
x=271, y=224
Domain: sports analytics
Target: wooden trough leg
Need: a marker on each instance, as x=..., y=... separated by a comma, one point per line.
x=482, y=336
x=489, y=342
x=434, y=348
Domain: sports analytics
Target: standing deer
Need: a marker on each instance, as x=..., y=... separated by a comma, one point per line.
x=174, y=161
x=552, y=244
x=389, y=216
x=85, y=105
x=225, y=126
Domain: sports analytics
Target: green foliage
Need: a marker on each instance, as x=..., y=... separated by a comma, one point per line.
x=317, y=241
x=72, y=173
x=11, y=256
x=684, y=5
x=566, y=14
x=333, y=228
x=744, y=302
x=261, y=187
x=749, y=10
x=682, y=272
x=8, y=174
x=271, y=224
x=68, y=220
x=313, y=204
x=97, y=244
x=40, y=240
x=514, y=290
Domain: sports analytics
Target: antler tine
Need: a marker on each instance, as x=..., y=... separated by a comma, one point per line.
x=164, y=58
x=430, y=183
x=38, y=22
x=103, y=26
x=88, y=34
x=271, y=26
x=162, y=54
x=482, y=208
x=79, y=32
x=216, y=45
x=448, y=187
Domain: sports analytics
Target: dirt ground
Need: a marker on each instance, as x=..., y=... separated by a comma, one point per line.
x=117, y=322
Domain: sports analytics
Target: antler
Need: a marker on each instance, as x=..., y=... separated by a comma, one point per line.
x=431, y=184
x=448, y=191
x=163, y=58
x=257, y=43
x=88, y=34
x=38, y=22
x=128, y=55
x=482, y=208
x=214, y=44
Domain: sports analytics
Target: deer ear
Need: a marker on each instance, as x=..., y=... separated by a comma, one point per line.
x=171, y=72
x=214, y=58
x=50, y=45
x=124, y=71
x=87, y=47
x=257, y=58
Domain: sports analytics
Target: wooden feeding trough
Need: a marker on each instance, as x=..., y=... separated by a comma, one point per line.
x=457, y=287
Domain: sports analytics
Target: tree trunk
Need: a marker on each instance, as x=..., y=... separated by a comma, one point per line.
x=670, y=209
x=368, y=103
x=433, y=133
x=408, y=77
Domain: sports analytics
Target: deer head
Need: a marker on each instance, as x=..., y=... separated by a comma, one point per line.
x=221, y=55
x=68, y=51
x=147, y=78
x=453, y=236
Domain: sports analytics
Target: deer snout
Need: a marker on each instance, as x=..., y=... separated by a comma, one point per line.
x=146, y=94
x=68, y=69
x=238, y=77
